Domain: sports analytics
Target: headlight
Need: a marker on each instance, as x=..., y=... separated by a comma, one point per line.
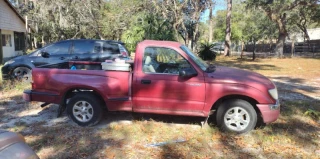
x=9, y=62
x=21, y=137
x=273, y=93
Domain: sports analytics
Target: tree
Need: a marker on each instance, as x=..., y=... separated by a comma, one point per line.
x=248, y=25
x=303, y=17
x=210, y=5
x=228, y=29
x=279, y=11
x=58, y=20
x=184, y=16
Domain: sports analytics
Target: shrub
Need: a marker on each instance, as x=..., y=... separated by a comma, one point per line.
x=206, y=53
x=313, y=114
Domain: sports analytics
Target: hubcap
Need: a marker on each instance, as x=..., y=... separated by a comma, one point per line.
x=22, y=74
x=237, y=119
x=82, y=111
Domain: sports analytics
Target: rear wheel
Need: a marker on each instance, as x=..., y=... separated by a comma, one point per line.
x=236, y=116
x=85, y=109
x=22, y=74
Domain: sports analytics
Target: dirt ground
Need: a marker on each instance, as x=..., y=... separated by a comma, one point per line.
x=296, y=134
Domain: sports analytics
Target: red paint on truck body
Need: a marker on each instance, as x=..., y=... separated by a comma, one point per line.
x=166, y=94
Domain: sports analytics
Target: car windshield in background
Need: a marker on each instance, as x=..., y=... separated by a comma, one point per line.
x=203, y=65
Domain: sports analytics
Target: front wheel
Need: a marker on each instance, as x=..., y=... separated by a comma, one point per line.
x=85, y=109
x=22, y=74
x=236, y=116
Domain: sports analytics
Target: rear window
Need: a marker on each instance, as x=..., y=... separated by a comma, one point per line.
x=83, y=47
x=110, y=48
x=123, y=50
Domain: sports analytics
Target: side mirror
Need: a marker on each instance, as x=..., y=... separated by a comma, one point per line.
x=45, y=54
x=187, y=73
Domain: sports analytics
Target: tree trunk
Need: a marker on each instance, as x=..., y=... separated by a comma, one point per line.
x=187, y=41
x=210, y=21
x=42, y=41
x=227, y=43
x=280, y=44
x=35, y=42
x=194, y=37
x=254, y=50
x=242, y=46
x=281, y=23
x=306, y=34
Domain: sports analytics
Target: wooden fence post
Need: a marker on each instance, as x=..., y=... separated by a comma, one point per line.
x=313, y=50
x=292, y=48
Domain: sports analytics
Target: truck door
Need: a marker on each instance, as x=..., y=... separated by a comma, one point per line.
x=158, y=88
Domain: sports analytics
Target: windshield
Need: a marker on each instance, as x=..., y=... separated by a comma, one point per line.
x=203, y=65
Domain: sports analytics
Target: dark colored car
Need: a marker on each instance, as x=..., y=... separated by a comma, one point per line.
x=60, y=52
x=217, y=46
x=13, y=146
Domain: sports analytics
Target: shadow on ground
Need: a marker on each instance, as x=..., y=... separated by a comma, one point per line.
x=246, y=64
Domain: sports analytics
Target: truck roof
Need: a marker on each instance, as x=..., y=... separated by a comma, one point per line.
x=160, y=43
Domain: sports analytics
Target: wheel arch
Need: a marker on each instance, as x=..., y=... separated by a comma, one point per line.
x=72, y=91
x=23, y=65
x=252, y=101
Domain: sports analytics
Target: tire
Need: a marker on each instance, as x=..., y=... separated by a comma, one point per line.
x=85, y=109
x=22, y=74
x=237, y=116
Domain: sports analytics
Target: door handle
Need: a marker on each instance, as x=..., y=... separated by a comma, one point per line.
x=145, y=81
x=62, y=58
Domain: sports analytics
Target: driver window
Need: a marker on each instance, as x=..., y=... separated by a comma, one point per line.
x=163, y=60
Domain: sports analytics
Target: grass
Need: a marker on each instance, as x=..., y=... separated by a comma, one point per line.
x=123, y=135
x=293, y=67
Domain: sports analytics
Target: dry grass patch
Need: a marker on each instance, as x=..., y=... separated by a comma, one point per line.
x=304, y=68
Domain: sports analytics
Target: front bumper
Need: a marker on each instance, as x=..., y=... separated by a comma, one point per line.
x=5, y=71
x=31, y=95
x=269, y=112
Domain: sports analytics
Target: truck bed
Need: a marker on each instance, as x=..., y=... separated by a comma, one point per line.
x=51, y=84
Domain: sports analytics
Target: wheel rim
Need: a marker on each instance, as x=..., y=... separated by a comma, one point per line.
x=82, y=111
x=22, y=74
x=237, y=119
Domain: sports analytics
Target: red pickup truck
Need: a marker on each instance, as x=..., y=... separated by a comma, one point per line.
x=165, y=78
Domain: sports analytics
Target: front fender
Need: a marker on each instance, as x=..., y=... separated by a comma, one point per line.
x=216, y=91
x=12, y=66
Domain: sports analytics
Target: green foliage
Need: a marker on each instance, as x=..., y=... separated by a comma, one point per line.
x=206, y=53
x=147, y=27
x=246, y=25
x=134, y=21
x=302, y=18
x=220, y=26
x=279, y=12
x=313, y=114
x=132, y=36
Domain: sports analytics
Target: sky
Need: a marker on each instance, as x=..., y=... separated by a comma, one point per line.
x=219, y=5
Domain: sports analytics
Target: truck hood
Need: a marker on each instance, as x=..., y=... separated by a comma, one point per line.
x=237, y=76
